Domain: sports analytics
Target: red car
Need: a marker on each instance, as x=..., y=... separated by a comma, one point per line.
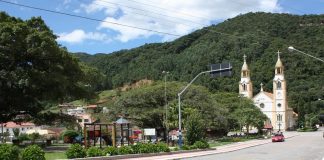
x=278, y=138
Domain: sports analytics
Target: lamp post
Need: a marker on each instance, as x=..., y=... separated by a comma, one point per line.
x=291, y=49
x=180, y=93
x=166, y=107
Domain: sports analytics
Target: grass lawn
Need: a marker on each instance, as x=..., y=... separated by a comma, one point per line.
x=55, y=155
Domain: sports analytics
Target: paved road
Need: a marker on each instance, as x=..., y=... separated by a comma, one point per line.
x=306, y=146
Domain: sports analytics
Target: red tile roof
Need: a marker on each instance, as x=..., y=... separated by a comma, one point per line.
x=17, y=125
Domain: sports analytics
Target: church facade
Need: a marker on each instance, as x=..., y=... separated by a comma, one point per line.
x=274, y=105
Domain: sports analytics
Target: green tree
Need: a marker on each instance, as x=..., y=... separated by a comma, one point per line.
x=195, y=128
x=34, y=68
x=249, y=115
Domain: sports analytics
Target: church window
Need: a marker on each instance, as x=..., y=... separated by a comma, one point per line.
x=279, y=104
x=262, y=105
x=245, y=73
x=279, y=117
x=278, y=85
x=244, y=87
x=278, y=70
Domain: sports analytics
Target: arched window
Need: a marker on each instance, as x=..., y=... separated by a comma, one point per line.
x=262, y=105
x=279, y=117
x=244, y=87
x=279, y=105
x=245, y=73
x=278, y=70
x=278, y=85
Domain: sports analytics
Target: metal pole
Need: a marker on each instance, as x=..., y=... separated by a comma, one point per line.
x=166, y=108
x=180, y=93
x=180, y=133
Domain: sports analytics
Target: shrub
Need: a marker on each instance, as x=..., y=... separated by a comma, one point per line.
x=23, y=137
x=33, y=152
x=125, y=150
x=94, y=152
x=162, y=147
x=201, y=144
x=195, y=128
x=111, y=151
x=76, y=151
x=69, y=135
x=176, y=149
x=185, y=147
x=8, y=152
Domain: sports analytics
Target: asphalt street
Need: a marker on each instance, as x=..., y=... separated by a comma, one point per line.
x=306, y=146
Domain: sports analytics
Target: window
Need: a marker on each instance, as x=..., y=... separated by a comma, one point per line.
x=262, y=105
x=279, y=117
x=278, y=85
x=22, y=129
x=86, y=120
x=79, y=120
x=244, y=87
x=245, y=73
x=278, y=70
x=279, y=105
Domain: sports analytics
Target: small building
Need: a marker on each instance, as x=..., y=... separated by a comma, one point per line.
x=23, y=128
x=75, y=111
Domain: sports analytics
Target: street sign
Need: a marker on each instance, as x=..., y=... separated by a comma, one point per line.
x=221, y=70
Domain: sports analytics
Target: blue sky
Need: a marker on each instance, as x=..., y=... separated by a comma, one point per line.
x=172, y=17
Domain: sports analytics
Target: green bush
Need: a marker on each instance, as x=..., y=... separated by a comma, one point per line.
x=8, y=152
x=76, y=151
x=185, y=147
x=23, y=137
x=125, y=150
x=195, y=128
x=33, y=152
x=70, y=134
x=94, y=152
x=201, y=144
x=111, y=151
x=176, y=149
x=162, y=147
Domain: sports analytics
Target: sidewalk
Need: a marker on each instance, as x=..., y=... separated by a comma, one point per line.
x=221, y=149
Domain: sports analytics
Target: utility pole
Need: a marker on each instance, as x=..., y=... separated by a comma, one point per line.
x=166, y=107
x=220, y=70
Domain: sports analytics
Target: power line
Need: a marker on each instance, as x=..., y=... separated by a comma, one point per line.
x=173, y=10
x=144, y=14
x=143, y=10
x=89, y=18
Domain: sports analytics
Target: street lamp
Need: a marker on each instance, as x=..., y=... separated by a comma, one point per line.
x=180, y=93
x=166, y=107
x=291, y=49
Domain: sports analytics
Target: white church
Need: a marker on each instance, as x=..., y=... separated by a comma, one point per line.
x=274, y=105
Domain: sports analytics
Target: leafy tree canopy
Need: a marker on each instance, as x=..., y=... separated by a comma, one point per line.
x=34, y=69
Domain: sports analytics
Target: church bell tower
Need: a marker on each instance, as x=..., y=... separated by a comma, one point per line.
x=280, y=105
x=245, y=85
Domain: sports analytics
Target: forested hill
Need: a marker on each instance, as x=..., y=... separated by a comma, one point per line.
x=258, y=35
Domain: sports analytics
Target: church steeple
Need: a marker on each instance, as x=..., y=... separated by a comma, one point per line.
x=279, y=66
x=245, y=86
x=245, y=72
x=280, y=104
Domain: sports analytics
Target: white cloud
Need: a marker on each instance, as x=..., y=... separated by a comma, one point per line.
x=178, y=17
x=78, y=36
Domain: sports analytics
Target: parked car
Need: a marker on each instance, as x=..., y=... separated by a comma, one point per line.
x=279, y=137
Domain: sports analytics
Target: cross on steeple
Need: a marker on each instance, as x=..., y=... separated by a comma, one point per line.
x=244, y=58
x=278, y=54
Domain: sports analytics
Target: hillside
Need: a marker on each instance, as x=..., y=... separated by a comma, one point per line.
x=258, y=35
